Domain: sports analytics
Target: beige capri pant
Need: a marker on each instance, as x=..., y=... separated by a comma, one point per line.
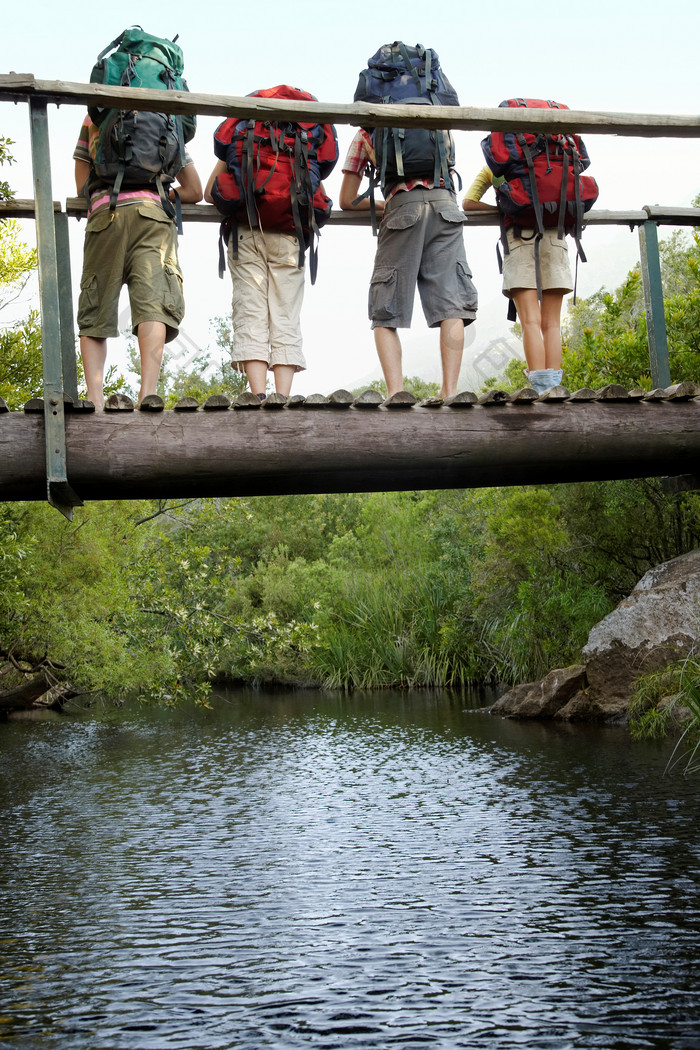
x=268, y=292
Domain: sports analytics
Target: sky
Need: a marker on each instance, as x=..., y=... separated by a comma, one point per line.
x=619, y=58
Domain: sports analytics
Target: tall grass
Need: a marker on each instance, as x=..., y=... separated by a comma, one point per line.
x=386, y=632
x=669, y=700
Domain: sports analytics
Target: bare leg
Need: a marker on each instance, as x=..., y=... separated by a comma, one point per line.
x=284, y=374
x=151, y=338
x=451, y=349
x=94, y=355
x=257, y=375
x=551, y=327
x=528, y=308
x=389, y=351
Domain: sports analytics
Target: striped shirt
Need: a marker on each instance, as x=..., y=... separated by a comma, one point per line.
x=99, y=198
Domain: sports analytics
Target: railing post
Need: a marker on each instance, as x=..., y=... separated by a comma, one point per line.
x=654, y=304
x=59, y=492
x=65, y=305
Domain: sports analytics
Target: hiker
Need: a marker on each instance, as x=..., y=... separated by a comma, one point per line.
x=268, y=186
x=421, y=230
x=540, y=321
x=529, y=172
x=131, y=235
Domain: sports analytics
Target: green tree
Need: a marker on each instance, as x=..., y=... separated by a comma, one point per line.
x=17, y=261
x=20, y=343
x=6, y=157
x=605, y=335
x=21, y=366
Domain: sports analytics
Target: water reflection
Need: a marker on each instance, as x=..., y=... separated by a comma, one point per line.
x=369, y=871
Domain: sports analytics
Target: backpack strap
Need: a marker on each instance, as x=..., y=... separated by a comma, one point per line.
x=439, y=159
x=247, y=158
x=228, y=229
x=371, y=173
x=180, y=138
x=115, y=43
x=173, y=210
x=398, y=135
x=250, y=167
x=300, y=187
x=536, y=205
x=578, y=203
x=302, y=194
x=117, y=184
x=429, y=82
x=512, y=313
x=409, y=65
x=564, y=188
x=372, y=203
x=538, y=269
x=441, y=171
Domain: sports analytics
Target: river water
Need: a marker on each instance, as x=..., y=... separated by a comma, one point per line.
x=375, y=871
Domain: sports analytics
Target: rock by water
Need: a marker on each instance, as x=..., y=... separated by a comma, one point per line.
x=658, y=624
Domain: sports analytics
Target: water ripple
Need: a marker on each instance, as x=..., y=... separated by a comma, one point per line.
x=316, y=871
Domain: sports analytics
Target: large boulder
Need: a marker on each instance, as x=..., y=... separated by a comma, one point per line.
x=657, y=624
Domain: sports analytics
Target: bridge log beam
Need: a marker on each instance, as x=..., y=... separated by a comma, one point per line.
x=140, y=455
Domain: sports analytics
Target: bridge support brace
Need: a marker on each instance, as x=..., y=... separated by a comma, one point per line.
x=60, y=493
x=654, y=304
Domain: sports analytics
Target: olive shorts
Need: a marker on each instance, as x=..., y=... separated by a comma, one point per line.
x=519, y=263
x=136, y=245
x=421, y=243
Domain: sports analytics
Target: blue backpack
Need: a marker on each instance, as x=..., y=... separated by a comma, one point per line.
x=412, y=76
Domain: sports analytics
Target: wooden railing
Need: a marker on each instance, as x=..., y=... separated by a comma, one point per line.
x=23, y=87
x=58, y=335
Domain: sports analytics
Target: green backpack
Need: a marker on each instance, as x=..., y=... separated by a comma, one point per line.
x=135, y=148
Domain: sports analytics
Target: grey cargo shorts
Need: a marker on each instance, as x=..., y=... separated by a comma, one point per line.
x=421, y=243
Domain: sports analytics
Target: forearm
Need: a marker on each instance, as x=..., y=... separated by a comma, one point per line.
x=470, y=205
x=350, y=191
x=189, y=188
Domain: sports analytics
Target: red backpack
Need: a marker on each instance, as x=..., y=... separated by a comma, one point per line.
x=543, y=184
x=274, y=171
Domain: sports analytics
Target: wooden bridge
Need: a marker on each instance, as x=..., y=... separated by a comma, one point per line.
x=341, y=444
x=59, y=448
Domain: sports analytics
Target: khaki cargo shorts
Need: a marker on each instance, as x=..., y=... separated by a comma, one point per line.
x=134, y=245
x=519, y=264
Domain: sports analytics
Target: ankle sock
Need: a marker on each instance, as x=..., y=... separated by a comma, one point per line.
x=542, y=379
x=539, y=379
